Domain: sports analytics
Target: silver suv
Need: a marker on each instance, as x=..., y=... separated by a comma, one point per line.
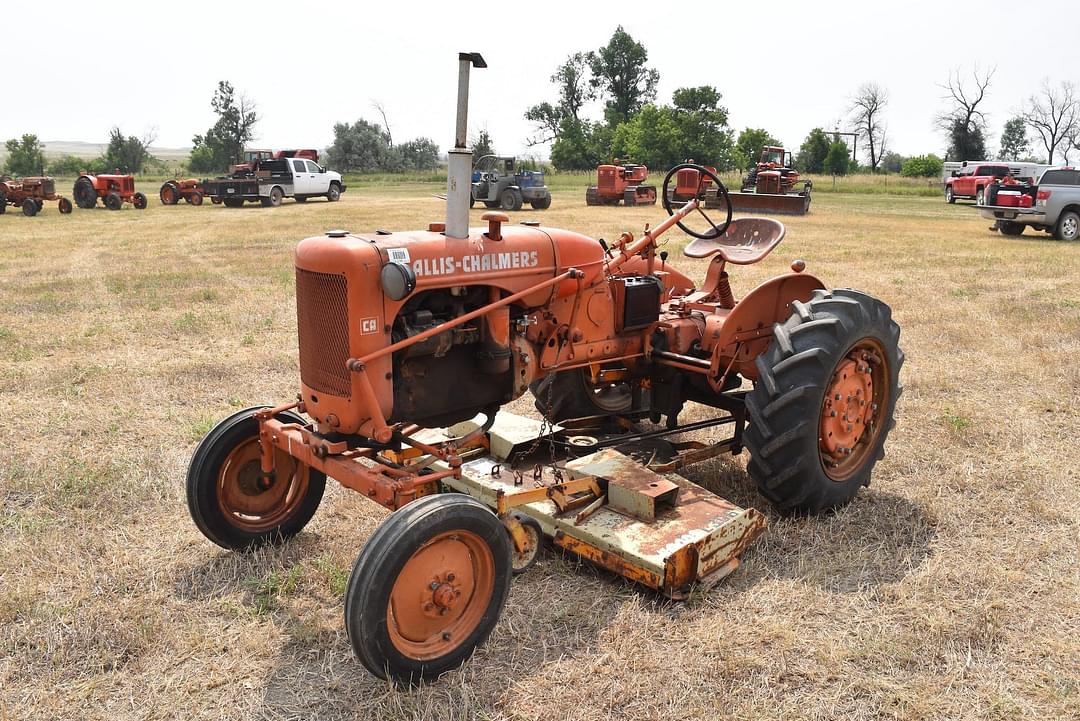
x=1056, y=208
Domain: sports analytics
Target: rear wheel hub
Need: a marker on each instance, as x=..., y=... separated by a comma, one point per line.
x=853, y=410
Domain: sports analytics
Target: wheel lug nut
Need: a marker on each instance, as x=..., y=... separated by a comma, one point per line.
x=442, y=611
x=832, y=414
x=434, y=585
x=838, y=397
x=446, y=636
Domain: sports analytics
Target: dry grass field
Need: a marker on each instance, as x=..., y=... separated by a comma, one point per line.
x=950, y=589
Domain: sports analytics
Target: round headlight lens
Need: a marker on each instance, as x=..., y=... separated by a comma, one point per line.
x=397, y=280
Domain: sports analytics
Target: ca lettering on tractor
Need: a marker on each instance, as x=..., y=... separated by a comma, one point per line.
x=410, y=342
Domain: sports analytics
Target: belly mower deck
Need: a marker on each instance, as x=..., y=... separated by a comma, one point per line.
x=651, y=526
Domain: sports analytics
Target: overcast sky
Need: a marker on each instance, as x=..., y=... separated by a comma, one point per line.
x=787, y=67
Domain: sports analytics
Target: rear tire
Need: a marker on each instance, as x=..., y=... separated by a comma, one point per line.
x=1009, y=227
x=3, y=203
x=223, y=494
x=400, y=627
x=84, y=193
x=29, y=207
x=169, y=193
x=803, y=456
x=276, y=194
x=234, y=202
x=542, y=203
x=1068, y=226
x=980, y=195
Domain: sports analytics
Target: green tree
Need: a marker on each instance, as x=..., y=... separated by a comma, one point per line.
x=25, y=156
x=582, y=145
x=67, y=165
x=482, y=145
x=362, y=147
x=702, y=125
x=572, y=80
x=748, y=146
x=652, y=137
x=419, y=154
x=128, y=154
x=922, y=166
x=1014, y=140
x=892, y=162
x=813, y=151
x=837, y=162
x=966, y=141
x=234, y=129
x=621, y=77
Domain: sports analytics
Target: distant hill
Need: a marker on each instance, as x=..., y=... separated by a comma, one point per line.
x=56, y=148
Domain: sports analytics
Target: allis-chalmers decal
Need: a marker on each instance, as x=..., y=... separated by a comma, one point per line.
x=448, y=265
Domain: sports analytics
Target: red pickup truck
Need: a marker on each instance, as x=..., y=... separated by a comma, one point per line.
x=972, y=181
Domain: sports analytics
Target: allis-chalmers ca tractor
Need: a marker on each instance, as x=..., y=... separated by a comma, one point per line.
x=625, y=182
x=30, y=194
x=114, y=189
x=411, y=341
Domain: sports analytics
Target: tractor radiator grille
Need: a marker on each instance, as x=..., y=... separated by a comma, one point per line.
x=48, y=186
x=322, y=321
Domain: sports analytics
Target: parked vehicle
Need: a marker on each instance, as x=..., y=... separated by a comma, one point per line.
x=1052, y=206
x=497, y=182
x=1022, y=171
x=114, y=189
x=270, y=180
x=173, y=191
x=623, y=182
x=970, y=180
x=30, y=194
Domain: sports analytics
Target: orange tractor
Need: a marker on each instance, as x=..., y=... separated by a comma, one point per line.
x=30, y=194
x=621, y=182
x=689, y=183
x=770, y=186
x=173, y=191
x=114, y=189
x=411, y=341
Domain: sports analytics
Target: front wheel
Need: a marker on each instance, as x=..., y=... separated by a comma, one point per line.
x=979, y=196
x=428, y=588
x=139, y=201
x=228, y=498
x=574, y=394
x=511, y=199
x=334, y=194
x=541, y=203
x=949, y=196
x=823, y=405
x=64, y=206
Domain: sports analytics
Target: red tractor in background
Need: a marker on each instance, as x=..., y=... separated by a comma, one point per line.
x=114, y=189
x=690, y=184
x=621, y=181
x=173, y=191
x=252, y=157
x=30, y=194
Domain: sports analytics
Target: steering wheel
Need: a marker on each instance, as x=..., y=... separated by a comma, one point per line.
x=715, y=231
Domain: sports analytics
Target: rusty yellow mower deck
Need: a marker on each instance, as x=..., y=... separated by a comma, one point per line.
x=651, y=526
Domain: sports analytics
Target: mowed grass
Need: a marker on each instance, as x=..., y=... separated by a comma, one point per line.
x=948, y=589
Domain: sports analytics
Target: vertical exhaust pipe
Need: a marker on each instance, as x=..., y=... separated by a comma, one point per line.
x=459, y=175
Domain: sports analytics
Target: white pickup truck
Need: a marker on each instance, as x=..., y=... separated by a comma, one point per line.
x=273, y=179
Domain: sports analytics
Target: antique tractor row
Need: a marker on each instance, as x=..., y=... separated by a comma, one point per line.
x=410, y=342
x=113, y=189
x=30, y=194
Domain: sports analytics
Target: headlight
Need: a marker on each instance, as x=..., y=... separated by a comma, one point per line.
x=397, y=280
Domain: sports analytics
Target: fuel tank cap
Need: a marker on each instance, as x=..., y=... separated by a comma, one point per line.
x=336, y=233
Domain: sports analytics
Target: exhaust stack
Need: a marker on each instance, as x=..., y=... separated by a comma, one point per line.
x=459, y=175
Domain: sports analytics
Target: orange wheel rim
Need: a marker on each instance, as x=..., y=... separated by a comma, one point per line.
x=247, y=500
x=441, y=595
x=853, y=410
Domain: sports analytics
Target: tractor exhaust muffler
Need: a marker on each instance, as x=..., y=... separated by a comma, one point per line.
x=459, y=166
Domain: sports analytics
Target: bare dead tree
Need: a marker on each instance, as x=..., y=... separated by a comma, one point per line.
x=386, y=123
x=868, y=110
x=1054, y=114
x=964, y=123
